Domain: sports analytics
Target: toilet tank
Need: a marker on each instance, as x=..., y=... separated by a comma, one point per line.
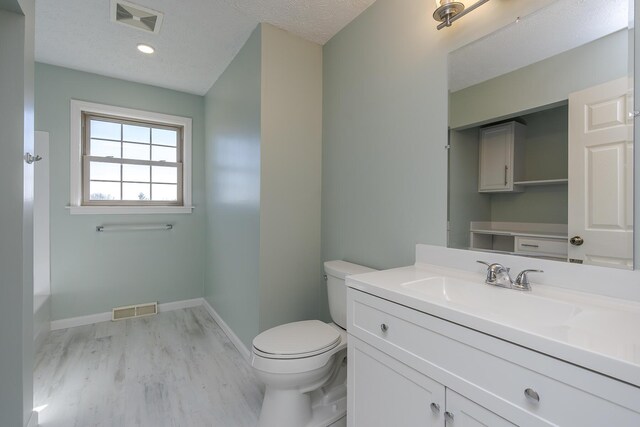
x=337, y=289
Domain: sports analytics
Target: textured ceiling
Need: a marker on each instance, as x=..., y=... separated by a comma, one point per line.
x=561, y=26
x=197, y=40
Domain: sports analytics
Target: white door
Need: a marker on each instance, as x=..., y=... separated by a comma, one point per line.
x=462, y=412
x=41, y=249
x=601, y=175
x=384, y=392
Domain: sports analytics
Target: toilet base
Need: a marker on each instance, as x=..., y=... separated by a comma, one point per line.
x=324, y=407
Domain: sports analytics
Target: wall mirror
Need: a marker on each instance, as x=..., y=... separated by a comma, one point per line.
x=541, y=136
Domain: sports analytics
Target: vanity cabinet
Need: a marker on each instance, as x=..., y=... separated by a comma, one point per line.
x=501, y=154
x=386, y=392
x=403, y=361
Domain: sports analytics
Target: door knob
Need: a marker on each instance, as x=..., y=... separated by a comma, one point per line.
x=576, y=241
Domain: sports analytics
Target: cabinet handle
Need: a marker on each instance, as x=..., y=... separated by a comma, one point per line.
x=576, y=241
x=532, y=395
x=384, y=327
x=435, y=408
x=448, y=417
x=506, y=168
x=528, y=245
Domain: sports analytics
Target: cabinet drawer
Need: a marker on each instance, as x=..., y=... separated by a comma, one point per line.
x=497, y=380
x=541, y=246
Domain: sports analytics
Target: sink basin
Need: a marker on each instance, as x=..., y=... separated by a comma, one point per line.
x=498, y=304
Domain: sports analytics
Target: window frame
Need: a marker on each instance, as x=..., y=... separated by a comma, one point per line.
x=79, y=111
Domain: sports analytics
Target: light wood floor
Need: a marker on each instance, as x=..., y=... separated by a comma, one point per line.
x=174, y=369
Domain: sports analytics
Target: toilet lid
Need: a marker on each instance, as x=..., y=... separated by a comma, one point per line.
x=297, y=339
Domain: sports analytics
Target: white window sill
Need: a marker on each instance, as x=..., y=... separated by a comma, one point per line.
x=128, y=210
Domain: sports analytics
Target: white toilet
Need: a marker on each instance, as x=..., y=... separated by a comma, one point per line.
x=303, y=364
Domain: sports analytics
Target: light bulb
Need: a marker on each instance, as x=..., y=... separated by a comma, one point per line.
x=145, y=48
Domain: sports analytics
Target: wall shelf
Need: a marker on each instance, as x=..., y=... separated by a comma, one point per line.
x=560, y=181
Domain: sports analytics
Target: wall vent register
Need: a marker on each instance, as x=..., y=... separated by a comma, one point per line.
x=140, y=310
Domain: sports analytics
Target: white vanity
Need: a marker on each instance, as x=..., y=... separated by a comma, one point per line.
x=434, y=345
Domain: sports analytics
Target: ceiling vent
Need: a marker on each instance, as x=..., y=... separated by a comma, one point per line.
x=136, y=16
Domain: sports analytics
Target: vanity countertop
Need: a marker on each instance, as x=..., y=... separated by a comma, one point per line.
x=596, y=332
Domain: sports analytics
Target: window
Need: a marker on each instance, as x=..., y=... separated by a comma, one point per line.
x=129, y=161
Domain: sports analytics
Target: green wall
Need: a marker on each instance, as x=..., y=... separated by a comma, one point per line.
x=263, y=133
x=233, y=191
x=385, y=128
x=93, y=272
x=384, y=135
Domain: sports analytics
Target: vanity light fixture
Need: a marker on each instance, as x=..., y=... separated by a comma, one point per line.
x=449, y=11
x=145, y=48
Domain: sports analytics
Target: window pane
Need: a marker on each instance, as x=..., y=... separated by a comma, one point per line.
x=163, y=153
x=136, y=133
x=135, y=173
x=164, y=137
x=104, y=171
x=100, y=148
x=104, y=191
x=168, y=174
x=165, y=192
x=105, y=130
x=135, y=191
x=135, y=151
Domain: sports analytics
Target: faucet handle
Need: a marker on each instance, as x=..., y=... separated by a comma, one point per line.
x=522, y=281
x=491, y=275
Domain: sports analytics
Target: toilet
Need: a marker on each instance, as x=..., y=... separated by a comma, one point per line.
x=303, y=365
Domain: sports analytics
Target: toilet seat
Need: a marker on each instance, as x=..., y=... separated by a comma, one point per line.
x=296, y=340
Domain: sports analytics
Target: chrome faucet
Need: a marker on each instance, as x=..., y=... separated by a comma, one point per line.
x=498, y=275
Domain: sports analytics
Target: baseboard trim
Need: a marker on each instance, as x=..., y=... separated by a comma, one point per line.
x=90, y=319
x=244, y=351
x=33, y=420
x=73, y=322
x=179, y=305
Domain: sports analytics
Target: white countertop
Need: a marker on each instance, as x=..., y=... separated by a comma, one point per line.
x=596, y=332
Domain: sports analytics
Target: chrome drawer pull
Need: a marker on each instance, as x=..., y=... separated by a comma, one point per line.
x=435, y=408
x=532, y=395
x=384, y=327
x=448, y=417
x=530, y=245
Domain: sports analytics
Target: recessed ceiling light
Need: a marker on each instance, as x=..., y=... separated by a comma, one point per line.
x=145, y=48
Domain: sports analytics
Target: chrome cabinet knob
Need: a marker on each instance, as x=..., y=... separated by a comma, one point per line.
x=435, y=408
x=448, y=417
x=532, y=395
x=576, y=241
x=384, y=327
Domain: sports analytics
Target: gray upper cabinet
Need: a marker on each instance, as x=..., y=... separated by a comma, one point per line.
x=501, y=157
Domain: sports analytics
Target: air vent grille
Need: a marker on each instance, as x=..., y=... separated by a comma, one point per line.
x=136, y=16
x=128, y=312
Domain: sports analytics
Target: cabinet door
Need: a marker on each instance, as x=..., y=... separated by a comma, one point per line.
x=461, y=412
x=496, y=159
x=384, y=392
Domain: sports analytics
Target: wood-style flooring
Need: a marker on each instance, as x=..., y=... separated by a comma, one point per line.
x=174, y=369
